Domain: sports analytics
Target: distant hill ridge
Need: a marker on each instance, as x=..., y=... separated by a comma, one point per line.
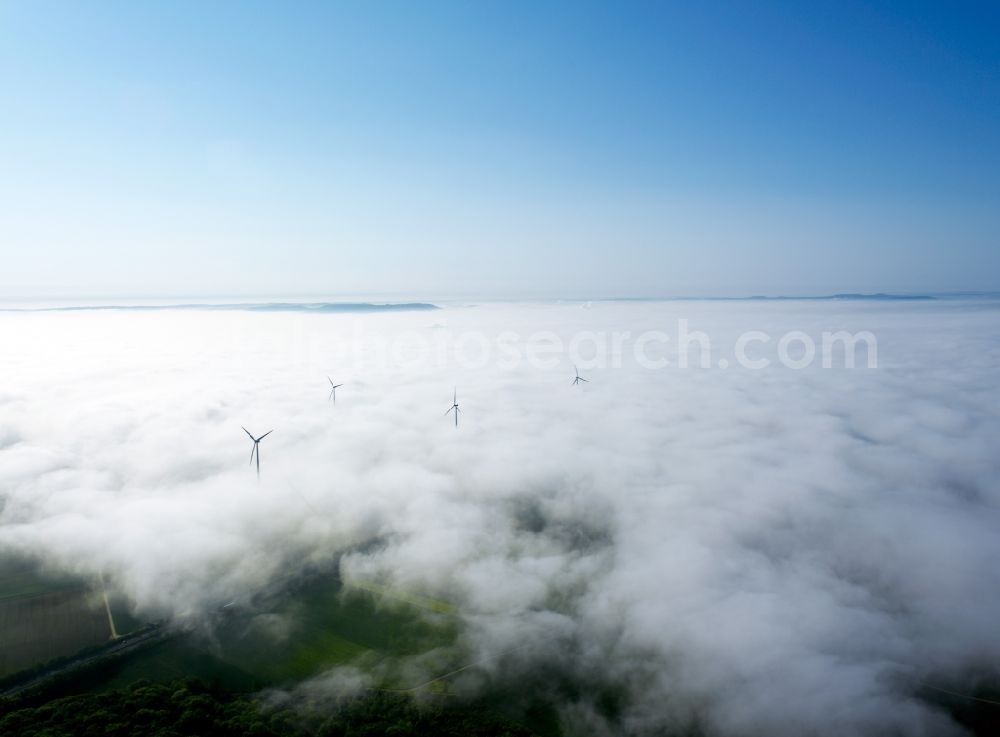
x=851, y=295
x=846, y=296
x=249, y=307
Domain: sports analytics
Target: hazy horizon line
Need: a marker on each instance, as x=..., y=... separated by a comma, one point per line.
x=334, y=306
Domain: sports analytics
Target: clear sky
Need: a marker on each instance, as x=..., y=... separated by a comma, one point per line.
x=498, y=148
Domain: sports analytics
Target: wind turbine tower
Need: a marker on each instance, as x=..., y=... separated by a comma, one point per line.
x=256, y=447
x=454, y=407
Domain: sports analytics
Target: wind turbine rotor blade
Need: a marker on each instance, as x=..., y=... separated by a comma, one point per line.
x=252, y=451
x=585, y=381
x=264, y=435
x=247, y=432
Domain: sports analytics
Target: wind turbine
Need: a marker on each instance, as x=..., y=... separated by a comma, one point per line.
x=454, y=406
x=256, y=450
x=333, y=390
x=579, y=378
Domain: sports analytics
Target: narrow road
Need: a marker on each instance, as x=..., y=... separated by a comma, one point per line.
x=118, y=646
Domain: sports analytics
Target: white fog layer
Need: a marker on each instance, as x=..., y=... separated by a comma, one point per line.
x=751, y=552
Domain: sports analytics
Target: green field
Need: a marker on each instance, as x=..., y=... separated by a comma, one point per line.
x=308, y=626
x=45, y=616
x=306, y=630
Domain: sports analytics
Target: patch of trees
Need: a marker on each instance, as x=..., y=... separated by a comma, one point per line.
x=189, y=708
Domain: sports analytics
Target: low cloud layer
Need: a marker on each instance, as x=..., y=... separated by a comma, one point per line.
x=772, y=552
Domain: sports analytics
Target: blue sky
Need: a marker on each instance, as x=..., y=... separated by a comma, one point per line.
x=498, y=149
